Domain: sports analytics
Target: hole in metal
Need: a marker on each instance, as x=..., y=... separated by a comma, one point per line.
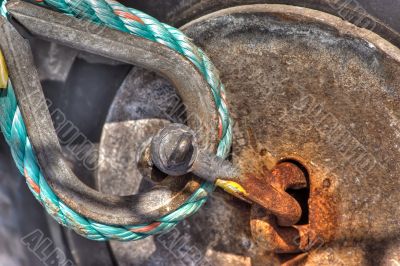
x=301, y=195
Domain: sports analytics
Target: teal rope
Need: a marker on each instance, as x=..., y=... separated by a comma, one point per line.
x=114, y=15
x=3, y=10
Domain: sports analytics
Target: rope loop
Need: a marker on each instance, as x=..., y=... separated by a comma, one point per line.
x=112, y=14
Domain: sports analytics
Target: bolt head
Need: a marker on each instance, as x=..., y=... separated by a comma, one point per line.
x=174, y=149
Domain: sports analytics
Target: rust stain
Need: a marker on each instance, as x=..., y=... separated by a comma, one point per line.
x=322, y=206
x=269, y=191
x=323, y=213
x=256, y=161
x=295, y=260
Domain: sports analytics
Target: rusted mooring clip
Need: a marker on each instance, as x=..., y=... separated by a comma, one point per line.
x=175, y=151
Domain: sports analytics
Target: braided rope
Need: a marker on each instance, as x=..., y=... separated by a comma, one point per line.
x=111, y=14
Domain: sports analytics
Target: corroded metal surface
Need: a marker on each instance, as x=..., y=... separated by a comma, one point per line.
x=269, y=191
x=272, y=237
x=309, y=87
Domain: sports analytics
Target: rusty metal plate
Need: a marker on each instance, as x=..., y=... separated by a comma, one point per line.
x=306, y=86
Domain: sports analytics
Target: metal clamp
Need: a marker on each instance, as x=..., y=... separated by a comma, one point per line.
x=43, y=23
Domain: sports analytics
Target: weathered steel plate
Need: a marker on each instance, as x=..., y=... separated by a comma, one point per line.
x=308, y=86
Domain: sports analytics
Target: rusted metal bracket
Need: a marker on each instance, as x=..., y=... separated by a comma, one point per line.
x=109, y=209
